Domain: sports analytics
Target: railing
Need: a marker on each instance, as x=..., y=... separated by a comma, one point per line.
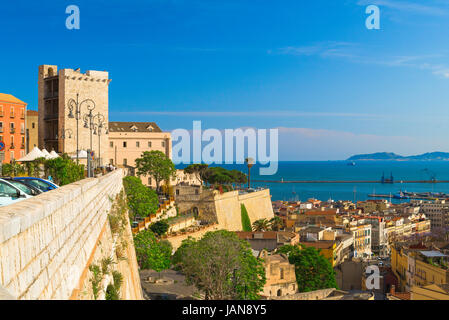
x=22, y=146
x=12, y=146
x=12, y=130
x=11, y=115
x=1, y=113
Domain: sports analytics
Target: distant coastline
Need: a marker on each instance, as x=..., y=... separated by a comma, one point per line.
x=382, y=156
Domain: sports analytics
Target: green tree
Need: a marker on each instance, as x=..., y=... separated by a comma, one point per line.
x=261, y=225
x=198, y=169
x=142, y=201
x=276, y=223
x=246, y=222
x=63, y=170
x=313, y=271
x=159, y=228
x=157, y=165
x=222, y=266
x=152, y=253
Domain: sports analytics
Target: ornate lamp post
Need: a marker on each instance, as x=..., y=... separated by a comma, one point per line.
x=75, y=112
x=98, y=126
x=66, y=133
x=249, y=163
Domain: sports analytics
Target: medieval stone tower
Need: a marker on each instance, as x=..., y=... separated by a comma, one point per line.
x=57, y=130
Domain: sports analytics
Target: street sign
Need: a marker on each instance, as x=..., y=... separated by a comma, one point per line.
x=2, y=146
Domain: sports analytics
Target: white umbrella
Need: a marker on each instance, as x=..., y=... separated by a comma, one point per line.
x=46, y=153
x=33, y=155
x=53, y=154
x=82, y=154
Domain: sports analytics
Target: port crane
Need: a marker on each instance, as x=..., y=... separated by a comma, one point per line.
x=432, y=175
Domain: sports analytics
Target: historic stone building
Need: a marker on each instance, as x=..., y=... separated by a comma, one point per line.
x=280, y=274
x=59, y=90
x=31, y=130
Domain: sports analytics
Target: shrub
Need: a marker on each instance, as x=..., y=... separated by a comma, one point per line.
x=246, y=222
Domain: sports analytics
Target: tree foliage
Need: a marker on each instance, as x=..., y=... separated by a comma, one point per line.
x=159, y=228
x=142, y=201
x=156, y=165
x=222, y=266
x=313, y=271
x=246, y=222
x=200, y=170
x=64, y=170
x=219, y=175
x=152, y=253
x=261, y=225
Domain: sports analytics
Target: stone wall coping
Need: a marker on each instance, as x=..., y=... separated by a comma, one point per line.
x=20, y=216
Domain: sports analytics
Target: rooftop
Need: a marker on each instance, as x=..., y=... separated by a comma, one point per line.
x=4, y=97
x=115, y=126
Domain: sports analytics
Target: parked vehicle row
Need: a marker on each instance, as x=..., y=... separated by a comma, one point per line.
x=15, y=189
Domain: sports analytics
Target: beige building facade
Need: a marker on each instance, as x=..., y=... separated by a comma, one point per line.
x=280, y=275
x=59, y=90
x=128, y=140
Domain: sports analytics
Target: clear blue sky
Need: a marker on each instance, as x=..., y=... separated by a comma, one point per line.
x=310, y=68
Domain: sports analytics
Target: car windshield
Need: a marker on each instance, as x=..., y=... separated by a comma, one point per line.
x=37, y=183
x=7, y=190
x=22, y=187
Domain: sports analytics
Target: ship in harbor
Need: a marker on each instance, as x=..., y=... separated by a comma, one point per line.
x=387, y=180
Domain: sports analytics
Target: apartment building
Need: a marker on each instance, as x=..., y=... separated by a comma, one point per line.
x=361, y=232
x=12, y=126
x=437, y=211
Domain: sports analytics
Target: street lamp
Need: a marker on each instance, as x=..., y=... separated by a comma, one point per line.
x=249, y=163
x=66, y=133
x=75, y=113
x=98, y=130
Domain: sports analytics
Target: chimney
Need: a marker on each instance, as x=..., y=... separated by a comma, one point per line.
x=392, y=289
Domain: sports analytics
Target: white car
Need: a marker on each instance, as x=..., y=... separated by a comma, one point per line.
x=10, y=194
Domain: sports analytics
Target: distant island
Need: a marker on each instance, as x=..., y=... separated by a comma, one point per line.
x=393, y=156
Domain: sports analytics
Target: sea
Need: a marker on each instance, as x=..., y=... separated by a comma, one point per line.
x=343, y=171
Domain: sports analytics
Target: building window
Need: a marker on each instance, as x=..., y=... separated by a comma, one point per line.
x=1, y=111
x=111, y=161
x=137, y=144
x=1, y=138
x=149, y=181
x=111, y=144
x=33, y=125
x=282, y=273
x=22, y=153
x=12, y=141
x=124, y=144
x=1, y=126
x=125, y=162
x=12, y=127
x=22, y=127
x=22, y=113
x=12, y=155
x=12, y=112
x=149, y=144
x=163, y=144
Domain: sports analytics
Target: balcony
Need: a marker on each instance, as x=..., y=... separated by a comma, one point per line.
x=1, y=113
x=22, y=116
x=22, y=146
x=22, y=131
x=11, y=115
x=12, y=130
x=12, y=146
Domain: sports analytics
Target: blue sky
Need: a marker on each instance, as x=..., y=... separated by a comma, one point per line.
x=309, y=68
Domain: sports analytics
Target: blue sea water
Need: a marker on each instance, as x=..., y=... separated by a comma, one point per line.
x=340, y=170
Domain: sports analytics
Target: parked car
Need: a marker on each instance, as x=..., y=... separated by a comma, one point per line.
x=41, y=184
x=10, y=194
x=28, y=189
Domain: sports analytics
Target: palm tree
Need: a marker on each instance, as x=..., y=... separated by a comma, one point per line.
x=261, y=225
x=276, y=223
